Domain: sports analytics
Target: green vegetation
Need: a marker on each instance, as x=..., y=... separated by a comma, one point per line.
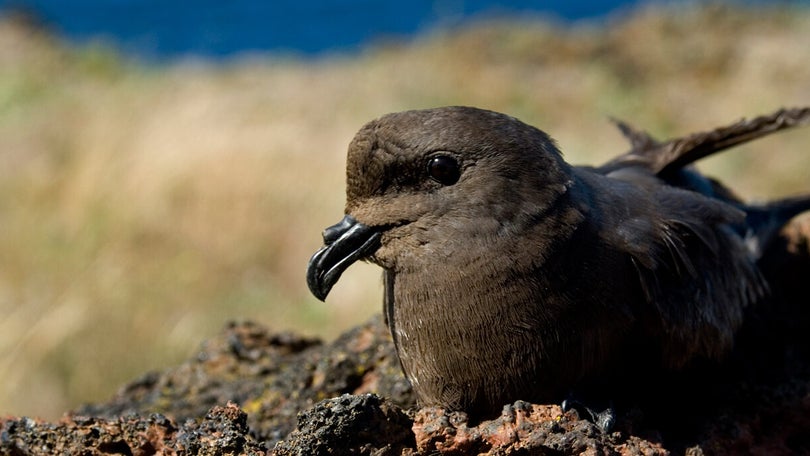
x=142, y=207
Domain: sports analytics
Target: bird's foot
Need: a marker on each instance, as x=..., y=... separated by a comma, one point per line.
x=604, y=420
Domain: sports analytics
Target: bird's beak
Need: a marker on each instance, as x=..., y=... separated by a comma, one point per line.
x=344, y=243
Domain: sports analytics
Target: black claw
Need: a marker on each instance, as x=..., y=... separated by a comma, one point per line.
x=604, y=420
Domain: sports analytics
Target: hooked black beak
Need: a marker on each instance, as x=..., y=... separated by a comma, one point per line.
x=344, y=243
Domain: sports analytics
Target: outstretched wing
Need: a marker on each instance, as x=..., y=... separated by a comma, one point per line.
x=665, y=158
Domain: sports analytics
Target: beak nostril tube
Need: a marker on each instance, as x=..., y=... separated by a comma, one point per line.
x=335, y=231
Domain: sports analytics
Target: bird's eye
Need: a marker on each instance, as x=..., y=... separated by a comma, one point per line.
x=444, y=170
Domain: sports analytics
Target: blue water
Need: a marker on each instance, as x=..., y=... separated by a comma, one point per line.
x=219, y=28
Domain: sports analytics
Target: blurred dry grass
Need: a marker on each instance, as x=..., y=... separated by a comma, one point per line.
x=142, y=207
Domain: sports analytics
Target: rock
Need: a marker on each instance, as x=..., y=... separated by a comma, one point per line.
x=271, y=376
x=537, y=429
x=364, y=424
x=223, y=431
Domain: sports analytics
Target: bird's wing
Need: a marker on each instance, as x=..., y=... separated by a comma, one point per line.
x=695, y=272
x=664, y=158
x=649, y=162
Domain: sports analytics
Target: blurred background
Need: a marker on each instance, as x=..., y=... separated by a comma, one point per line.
x=168, y=166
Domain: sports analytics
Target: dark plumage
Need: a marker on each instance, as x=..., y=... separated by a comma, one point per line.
x=510, y=274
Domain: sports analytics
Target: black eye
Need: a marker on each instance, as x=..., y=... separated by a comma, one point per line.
x=444, y=170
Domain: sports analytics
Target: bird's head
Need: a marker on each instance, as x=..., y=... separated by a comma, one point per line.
x=430, y=182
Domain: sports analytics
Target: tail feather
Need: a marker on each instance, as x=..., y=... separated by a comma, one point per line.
x=763, y=222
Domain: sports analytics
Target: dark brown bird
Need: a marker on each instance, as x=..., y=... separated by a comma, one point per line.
x=510, y=274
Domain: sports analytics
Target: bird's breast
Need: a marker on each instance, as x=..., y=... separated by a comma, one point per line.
x=472, y=342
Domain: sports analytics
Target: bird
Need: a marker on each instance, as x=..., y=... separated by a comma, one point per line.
x=510, y=274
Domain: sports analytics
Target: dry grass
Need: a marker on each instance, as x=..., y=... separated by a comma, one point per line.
x=142, y=207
